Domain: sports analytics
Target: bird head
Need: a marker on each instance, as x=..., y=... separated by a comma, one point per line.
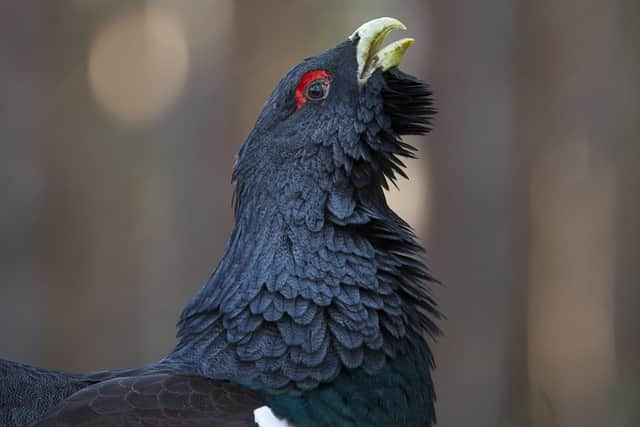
x=335, y=120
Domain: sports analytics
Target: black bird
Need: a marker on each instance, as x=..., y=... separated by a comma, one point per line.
x=318, y=314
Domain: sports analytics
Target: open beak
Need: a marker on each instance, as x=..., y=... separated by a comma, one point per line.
x=370, y=53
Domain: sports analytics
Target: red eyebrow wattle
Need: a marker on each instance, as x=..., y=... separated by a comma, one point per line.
x=307, y=78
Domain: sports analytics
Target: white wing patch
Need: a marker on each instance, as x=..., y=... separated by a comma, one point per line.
x=264, y=417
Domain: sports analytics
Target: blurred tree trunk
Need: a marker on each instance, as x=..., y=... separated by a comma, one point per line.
x=23, y=88
x=568, y=70
x=479, y=172
x=182, y=176
x=85, y=229
x=623, y=135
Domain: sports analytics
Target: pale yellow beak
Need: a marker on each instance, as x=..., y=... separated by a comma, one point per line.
x=370, y=54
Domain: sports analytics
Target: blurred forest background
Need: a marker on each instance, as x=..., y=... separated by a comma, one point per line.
x=119, y=122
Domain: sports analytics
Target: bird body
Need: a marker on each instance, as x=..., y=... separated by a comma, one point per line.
x=317, y=315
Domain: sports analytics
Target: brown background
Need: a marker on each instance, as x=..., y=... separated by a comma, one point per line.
x=119, y=122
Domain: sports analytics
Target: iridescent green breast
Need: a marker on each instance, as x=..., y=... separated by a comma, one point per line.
x=401, y=394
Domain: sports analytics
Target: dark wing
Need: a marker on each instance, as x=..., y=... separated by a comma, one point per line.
x=157, y=399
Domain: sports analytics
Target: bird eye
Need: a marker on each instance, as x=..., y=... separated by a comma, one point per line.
x=317, y=90
x=313, y=86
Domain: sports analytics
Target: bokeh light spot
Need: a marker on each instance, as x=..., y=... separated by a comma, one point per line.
x=138, y=65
